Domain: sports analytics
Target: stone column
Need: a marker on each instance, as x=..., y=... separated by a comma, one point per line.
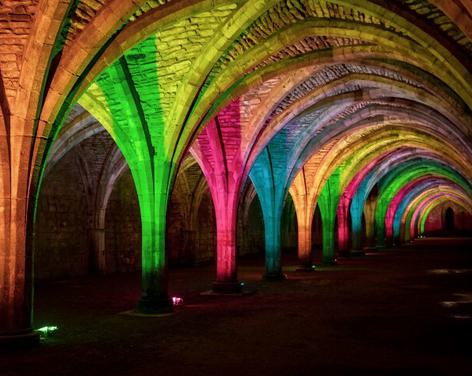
x=343, y=227
x=272, y=234
x=16, y=259
x=369, y=215
x=328, y=203
x=304, y=211
x=226, y=254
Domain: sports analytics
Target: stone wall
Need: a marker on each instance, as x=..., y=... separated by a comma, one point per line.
x=204, y=244
x=123, y=228
x=179, y=234
x=317, y=231
x=289, y=236
x=16, y=21
x=251, y=233
x=62, y=244
x=435, y=225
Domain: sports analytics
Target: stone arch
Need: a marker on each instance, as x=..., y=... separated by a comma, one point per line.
x=335, y=152
x=61, y=63
x=414, y=222
x=417, y=192
x=409, y=181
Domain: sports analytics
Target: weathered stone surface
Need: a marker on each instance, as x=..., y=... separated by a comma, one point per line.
x=62, y=241
x=123, y=228
x=16, y=21
x=407, y=47
x=433, y=15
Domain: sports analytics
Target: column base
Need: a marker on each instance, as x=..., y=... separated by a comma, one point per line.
x=18, y=340
x=357, y=252
x=226, y=287
x=344, y=253
x=154, y=304
x=306, y=268
x=329, y=262
x=277, y=276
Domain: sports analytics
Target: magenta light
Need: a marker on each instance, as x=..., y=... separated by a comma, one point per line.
x=218, y=151
x=345, y=202
x=177, y=301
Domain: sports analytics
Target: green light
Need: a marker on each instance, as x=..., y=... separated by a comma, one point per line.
x=328, y=202
x=131, y=110
x=399, y=177
x=47, y=331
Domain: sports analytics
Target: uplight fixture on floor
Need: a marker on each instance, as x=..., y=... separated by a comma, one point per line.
x=47, y=331
x=177, y=301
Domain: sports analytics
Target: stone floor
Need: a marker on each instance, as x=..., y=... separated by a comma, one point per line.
x=395, y=312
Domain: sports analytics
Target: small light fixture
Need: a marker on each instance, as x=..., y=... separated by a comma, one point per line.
x=177, y=301
x=47, y=331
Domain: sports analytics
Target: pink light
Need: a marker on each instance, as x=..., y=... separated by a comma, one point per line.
x=218, y=151
x=177, y=301
x=345, y=202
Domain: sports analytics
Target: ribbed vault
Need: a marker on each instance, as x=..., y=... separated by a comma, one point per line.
x=331, y=100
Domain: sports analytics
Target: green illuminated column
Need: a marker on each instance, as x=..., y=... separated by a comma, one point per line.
x=155, y=297
x=328, y=203
x=130, y=109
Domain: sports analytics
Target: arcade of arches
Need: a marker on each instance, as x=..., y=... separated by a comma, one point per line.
x=138, y=136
